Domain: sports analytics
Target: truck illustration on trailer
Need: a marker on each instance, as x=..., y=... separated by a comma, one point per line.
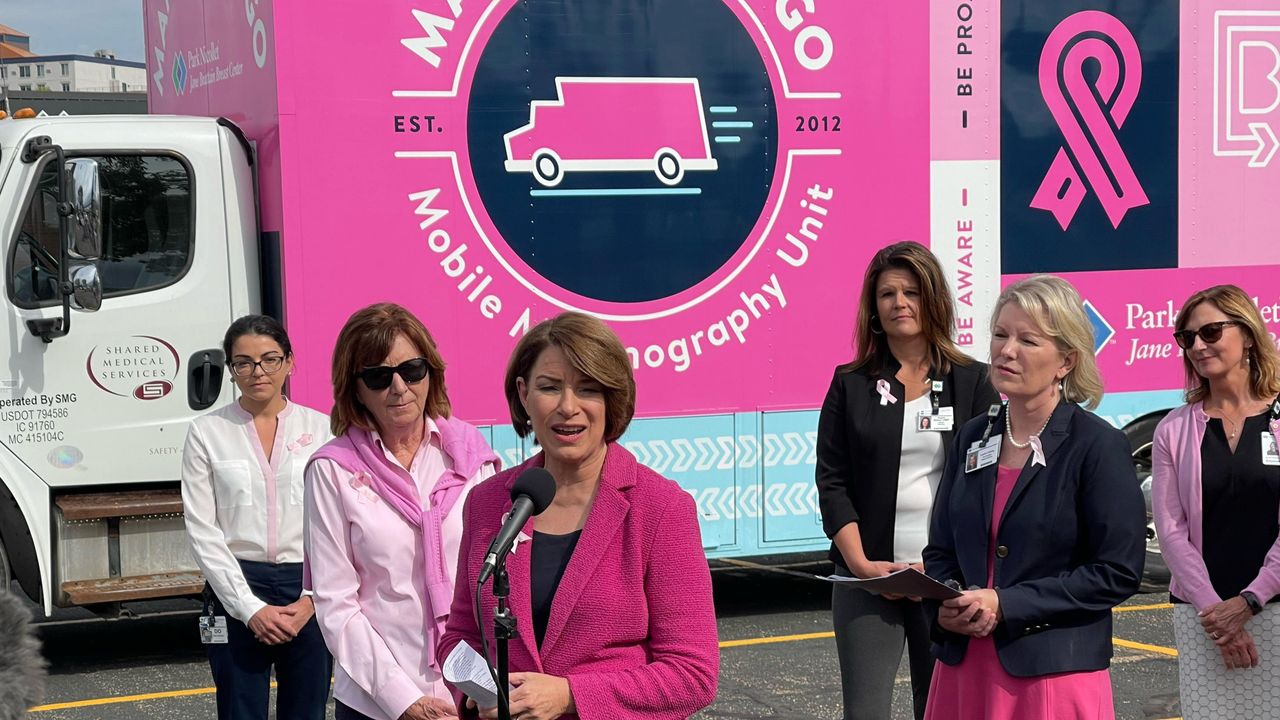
x=612, y=124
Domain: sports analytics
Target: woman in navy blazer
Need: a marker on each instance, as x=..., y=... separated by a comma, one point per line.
x=1046, y=531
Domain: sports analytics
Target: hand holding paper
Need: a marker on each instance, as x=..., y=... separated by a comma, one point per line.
x=907, y=581
x=466, y=670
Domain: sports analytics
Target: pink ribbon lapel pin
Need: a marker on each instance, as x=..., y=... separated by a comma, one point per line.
x=1037, y=451
x=302, y=441
x=886, y=397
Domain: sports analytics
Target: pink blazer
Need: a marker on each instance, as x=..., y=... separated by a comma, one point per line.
x=632, y=625
x=1176, y=505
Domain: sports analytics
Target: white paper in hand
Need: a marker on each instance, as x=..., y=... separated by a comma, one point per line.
x=466, y=670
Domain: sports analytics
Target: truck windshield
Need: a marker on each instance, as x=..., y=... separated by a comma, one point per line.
x=147, y=229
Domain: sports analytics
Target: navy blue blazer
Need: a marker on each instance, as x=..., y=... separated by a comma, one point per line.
x=1070, y=545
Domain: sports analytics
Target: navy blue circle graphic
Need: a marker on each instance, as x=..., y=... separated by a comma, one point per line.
x=624, y=150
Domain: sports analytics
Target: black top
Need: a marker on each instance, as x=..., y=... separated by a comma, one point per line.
x=860, y=447
x=550, y=556
x=1240, y=499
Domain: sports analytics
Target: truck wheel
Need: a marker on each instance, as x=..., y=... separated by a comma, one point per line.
x=668, y=167
x=1141, y=435
x=547, y=168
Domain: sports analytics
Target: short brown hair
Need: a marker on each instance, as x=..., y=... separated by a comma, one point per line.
x=937, y=314
x=364, y=342
x=1264, y=362
x=593, y=350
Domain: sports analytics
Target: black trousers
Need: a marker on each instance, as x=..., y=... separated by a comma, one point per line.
x=342, y=712
x=870, y=635
x=242, y=666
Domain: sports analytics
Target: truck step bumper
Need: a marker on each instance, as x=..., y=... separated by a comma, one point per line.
x=136, y=587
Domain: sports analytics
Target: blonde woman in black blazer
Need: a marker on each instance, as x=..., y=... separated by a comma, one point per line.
x=885, y=426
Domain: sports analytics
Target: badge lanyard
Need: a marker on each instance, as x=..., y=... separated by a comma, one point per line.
x=993, y=413
x=985, y=452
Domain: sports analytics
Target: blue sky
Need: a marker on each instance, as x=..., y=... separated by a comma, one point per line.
x=78, y=26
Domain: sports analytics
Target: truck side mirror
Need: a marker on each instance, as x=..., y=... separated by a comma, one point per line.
x=84, y=216
x=86, y=287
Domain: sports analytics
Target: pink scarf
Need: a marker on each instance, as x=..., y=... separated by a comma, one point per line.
x=357, y=452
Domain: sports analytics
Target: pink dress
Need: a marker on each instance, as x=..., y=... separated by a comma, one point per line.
x=979, y=688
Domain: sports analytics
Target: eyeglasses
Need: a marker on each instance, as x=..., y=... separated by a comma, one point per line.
x=270, y=366
x=1209, y=332
x=379, y=378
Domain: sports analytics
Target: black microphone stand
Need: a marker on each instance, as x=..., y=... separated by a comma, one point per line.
x=504, y=628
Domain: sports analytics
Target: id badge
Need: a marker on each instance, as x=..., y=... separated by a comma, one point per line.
x=1270, y=454
x=981, y=456
x=942, y=421
x=213, y=630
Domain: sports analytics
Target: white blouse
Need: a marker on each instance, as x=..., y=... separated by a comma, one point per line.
x=368, y=571
x=241, y=506
x=918, y=475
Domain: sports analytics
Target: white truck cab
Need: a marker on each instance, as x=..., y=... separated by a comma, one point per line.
x=119, y=278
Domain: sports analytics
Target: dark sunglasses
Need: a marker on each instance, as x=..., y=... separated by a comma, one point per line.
x=1209, y=332
x=379, y=378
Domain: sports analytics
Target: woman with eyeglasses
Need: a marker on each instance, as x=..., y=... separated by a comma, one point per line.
x=1216, y=502
x=242, y=494
x=384, y=517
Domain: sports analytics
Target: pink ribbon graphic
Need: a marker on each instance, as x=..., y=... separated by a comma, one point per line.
x=1037, y=451
x=303, y=441
x=886, y=397
x=1089, y=114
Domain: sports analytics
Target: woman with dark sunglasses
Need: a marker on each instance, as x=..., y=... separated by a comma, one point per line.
x=1216, y=502
x=384, y=517
x=242, y=492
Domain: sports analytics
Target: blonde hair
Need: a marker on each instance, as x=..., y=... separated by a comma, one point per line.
x=1264, y=361
x=1058, y=312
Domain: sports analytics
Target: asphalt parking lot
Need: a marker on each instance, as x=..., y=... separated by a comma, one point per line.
x=777, y=656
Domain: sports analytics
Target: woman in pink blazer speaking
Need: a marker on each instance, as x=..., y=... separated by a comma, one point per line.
x=612, y=595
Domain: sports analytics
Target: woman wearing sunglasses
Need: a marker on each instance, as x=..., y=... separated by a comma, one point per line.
x=1216, y=497
x=242, y=491
x=384, y=517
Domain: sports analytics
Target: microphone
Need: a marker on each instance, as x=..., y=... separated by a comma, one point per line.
x=532, y=493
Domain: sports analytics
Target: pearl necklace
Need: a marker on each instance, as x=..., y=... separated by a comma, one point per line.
x=1008, y=432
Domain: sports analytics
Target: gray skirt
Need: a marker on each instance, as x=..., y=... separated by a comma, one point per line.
x=1211, y=692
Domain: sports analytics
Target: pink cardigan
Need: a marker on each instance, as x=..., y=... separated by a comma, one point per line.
x=632, y=625
x=1176, y=506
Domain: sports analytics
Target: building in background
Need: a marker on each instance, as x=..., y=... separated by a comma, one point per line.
x=77, y=103
x=24, y=71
